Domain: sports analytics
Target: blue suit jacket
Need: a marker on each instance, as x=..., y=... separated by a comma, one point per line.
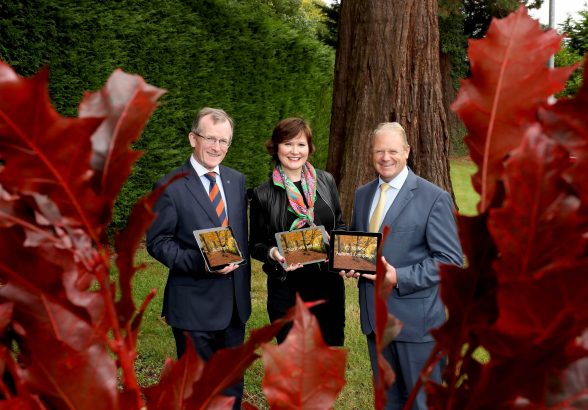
x=423, y=233
x=195, y=299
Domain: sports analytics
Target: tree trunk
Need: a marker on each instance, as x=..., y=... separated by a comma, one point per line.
x=454, y=126
x=387, y=69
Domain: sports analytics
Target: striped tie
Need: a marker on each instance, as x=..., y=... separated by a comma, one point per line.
x=217, y=199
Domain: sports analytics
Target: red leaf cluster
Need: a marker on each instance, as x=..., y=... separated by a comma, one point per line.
x=523, y=296
x=303, y=372
x=387, y=328
x=64, y=334
x=58, y=181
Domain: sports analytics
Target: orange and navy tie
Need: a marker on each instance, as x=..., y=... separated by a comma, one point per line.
x=217, y=199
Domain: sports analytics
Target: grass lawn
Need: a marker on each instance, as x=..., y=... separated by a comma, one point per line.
x=156, y=341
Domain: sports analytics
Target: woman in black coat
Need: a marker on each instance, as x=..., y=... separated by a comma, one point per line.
x=297, y=196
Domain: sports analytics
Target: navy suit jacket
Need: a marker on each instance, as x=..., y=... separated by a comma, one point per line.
x=422, y=235
x=195, y=299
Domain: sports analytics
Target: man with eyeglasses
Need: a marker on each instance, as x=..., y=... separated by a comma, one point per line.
x=211, y=307
x=423, y=234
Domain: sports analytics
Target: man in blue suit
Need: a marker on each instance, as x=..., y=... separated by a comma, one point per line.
x=212, y=307
x=423, y=234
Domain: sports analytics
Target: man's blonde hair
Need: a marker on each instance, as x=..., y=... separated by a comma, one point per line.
x=392, y=127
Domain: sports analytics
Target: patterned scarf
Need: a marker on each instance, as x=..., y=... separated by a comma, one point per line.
x=304, y=214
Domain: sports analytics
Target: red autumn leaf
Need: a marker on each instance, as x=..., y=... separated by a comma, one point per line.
x=22, y=403
x=538, y=226
x=568, y=123
x=53, y=212
x=176, y=381
x=387, y=328
x=523, y=294
x=53, y=341
x=36, y=157
x=469, y=295
x=126, y=244
x=570, y=390
x=303, y=372
x=509, y=81
x=541, y=294
x=126, y=102
x=192, y=384
x=5, y=316
x=228, y=366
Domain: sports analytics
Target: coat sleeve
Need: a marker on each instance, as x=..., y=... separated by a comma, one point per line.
x=444, y=247
x=163, y=243
x=262, y=237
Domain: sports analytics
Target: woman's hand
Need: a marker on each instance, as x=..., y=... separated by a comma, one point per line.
x=276, y=256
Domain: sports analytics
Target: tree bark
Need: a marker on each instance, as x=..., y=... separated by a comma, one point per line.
x=387, y=69
x=449, y=95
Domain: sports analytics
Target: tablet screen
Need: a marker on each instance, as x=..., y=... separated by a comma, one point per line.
x=308, y=245
x=354, y=250
x=219, y=247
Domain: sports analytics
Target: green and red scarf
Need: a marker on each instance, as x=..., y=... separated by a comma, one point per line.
x=304, y=214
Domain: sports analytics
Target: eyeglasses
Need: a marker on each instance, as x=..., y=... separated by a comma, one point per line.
x=224, y=143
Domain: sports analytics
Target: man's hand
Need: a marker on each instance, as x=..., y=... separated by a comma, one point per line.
x=390, y=273
x=227, y=269
x=349, y=274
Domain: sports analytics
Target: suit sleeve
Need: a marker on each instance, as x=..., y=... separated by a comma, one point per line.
x=260, y=239
x=444, y=247
x=163, y=243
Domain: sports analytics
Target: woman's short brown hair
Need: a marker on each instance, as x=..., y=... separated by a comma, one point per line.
x=286, y=130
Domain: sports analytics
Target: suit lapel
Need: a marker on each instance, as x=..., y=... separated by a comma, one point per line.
x=197, y=190
x=402, y=199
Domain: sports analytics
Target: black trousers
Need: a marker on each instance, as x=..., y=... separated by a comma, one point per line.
x=208, y=343
x=312, y=282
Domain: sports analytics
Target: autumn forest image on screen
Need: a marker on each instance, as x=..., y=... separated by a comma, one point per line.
x=303, y=246
x=220, y=247
x=355, y=252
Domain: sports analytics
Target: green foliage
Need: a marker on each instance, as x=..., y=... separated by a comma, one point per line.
x=462, y=170
x=577, y=32
x=565, y=58
x=236, y=55
x=574, y=49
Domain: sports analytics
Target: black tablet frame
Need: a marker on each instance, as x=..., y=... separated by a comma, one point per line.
x=334, y=257
x=200, y=240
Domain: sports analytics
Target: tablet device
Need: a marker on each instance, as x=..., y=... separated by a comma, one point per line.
x=354, y=250
x=308, y=245
x=219, y=247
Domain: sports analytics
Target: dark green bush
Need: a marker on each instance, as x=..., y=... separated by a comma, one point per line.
x=219, y=53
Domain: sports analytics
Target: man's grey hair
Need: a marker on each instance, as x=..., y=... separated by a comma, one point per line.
x=217, y=115
x=391, y=127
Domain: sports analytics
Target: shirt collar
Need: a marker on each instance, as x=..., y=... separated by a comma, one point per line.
x=200, y=170
x=397, y=181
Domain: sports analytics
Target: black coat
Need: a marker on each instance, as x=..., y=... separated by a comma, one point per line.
x=269, y=214
x=193, y=298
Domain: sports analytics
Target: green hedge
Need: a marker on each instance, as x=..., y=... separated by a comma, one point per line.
x=221, y=53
